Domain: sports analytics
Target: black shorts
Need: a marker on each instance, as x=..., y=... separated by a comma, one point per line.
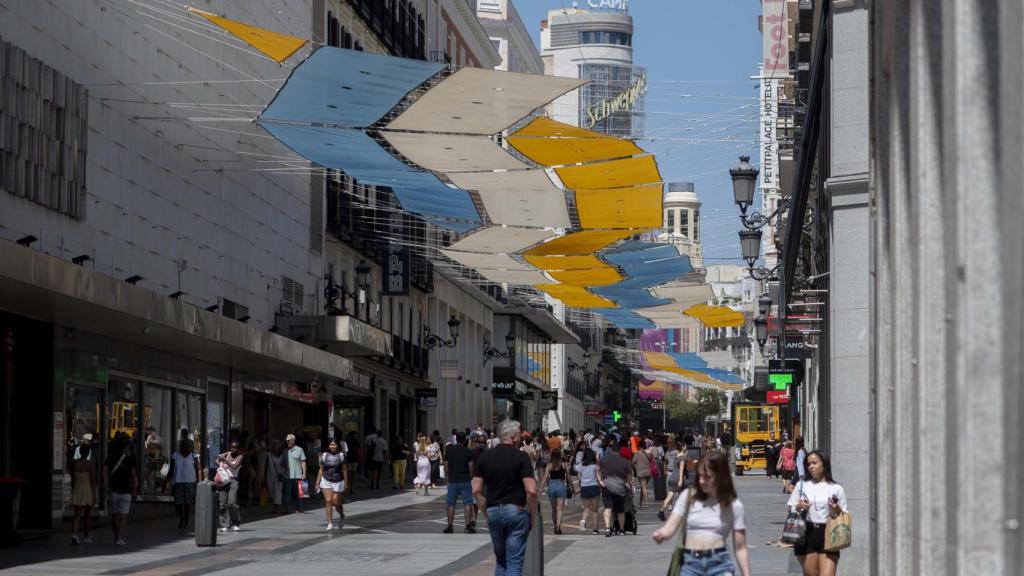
x=614, y=501
x=814, y=542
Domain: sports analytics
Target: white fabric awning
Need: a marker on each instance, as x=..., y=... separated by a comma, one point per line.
x=479, y=261
x=518, y=198
x=479, y=101
x=514, y=276
x=453, y=152
x=501, y=240
x=685, y=292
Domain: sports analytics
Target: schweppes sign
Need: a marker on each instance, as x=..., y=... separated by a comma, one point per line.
x=623, y=101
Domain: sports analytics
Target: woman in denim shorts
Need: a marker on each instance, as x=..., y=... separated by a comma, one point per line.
x=589, y=489
x=556, y=479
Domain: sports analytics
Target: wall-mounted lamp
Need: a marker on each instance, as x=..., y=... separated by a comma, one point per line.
x=431, y=340
x=81, y=259
x=490, y=352
x=761, y=331
x=133, y=279
x=26, y=241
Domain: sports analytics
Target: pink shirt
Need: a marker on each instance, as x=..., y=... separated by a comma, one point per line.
x=787, y=455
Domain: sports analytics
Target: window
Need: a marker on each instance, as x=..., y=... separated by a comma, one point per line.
x=189, y=415
x=157, y=439
x=123, y=408
x=216, y=422
x=696, y=225
x=684, y=223
x=670, y=219
x=605, y=37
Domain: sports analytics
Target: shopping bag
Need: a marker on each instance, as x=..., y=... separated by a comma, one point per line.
x=264, y=497
x=440, y=472
x=223, y=476
x=795, y=529
x=838, y=532
x=303, y=489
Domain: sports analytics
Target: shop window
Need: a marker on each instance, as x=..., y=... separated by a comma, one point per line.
x=190, y=420
x=83, y=416
x=216, y=422
x=157, y=438
x=123, y=409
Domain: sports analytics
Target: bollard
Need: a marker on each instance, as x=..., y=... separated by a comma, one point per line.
x=207, y=513
x=533, y=563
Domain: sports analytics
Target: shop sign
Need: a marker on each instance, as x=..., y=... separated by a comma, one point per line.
x=426, y=397
x=775, y=34
x=548, y=401
x=396, y=260
x=625, y=100
x=609, y=5
x=769, y=140
x=778, y=396
x=592, y=411
x=508, y=390
x=449, y=369
x=797, y=349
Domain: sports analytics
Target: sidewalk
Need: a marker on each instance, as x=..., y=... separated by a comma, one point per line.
x=392, y=534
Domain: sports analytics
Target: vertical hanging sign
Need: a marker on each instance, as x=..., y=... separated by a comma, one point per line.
x=769, y=138
x=396, y=262
x=775, y=33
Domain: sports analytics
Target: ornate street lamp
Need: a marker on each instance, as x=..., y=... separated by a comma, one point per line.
x=761, y=331
x=490, y=352
x=431, y=340
x=744, y=180
x=363, y=275
x=750, y=245
x=764, y=305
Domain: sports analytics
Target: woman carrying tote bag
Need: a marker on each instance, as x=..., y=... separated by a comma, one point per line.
x=711, y=513
x=821, y=499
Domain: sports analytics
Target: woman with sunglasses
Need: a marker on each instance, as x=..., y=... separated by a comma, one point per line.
x=714, y=514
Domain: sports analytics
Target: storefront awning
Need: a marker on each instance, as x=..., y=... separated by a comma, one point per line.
x=40, y=286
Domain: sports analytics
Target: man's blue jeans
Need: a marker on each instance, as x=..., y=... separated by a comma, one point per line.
x=509, y=526
x=290, y=494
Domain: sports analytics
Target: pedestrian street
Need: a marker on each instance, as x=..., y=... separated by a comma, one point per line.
x=393, y=534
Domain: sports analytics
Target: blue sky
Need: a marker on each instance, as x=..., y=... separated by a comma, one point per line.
x=701, y=104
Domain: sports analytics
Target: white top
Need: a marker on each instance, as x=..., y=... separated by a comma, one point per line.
x=818, y=495
x=588, y=474
x=710, y=522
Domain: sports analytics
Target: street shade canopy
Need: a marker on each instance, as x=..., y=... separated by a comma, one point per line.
x=744, y=179
x=750, y=244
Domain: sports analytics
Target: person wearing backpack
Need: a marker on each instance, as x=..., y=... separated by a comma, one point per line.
x=709, y=513
x=331, y=480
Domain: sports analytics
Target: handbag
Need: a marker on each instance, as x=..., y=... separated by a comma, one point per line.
x=677, y=554
x=838, y=532
x=795, y=529
x=303, y=489
x=654, y=466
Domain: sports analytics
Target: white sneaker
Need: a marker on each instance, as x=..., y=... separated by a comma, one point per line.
x=583, y=525
x=87, y=540
x=120, y=542
x=235, y=528
x=330, y=526
x=224, y=530
x=75, y=539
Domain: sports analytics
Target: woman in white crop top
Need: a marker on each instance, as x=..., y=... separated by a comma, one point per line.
x=819, y=498
x=714, y=513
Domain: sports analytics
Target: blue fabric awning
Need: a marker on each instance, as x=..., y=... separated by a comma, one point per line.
x=625, y=318
x=691, y=361
x=349, y=88
x=355, y=153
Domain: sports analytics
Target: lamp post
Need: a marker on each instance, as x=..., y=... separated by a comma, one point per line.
x=490, y=352
x=761, y=331
x=334, y=292
x=431, y=340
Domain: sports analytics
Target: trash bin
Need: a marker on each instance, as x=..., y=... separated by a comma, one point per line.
x=207, y=513
x=10, y=499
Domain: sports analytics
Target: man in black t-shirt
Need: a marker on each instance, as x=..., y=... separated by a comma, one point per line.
x=511, y=497
x=458, y=467
x=122, y=482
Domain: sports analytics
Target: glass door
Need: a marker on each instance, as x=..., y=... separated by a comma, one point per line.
x=190, y=420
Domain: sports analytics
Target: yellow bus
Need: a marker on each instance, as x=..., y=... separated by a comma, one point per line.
x=754, y=424
x=123, y=418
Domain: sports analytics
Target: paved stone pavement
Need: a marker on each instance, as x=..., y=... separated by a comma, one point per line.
x=393, y=534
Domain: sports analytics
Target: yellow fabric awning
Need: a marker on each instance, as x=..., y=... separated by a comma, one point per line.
x=277, y=47
x=552, y=143
x=638, y=207
x=592, y=277
x=564, y=262
x=611, y=174
x=575, y=296
x=580, y=243
x=716, y=316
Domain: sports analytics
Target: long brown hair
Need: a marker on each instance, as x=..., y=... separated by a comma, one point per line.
x=555, y=460
x=718, y=464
